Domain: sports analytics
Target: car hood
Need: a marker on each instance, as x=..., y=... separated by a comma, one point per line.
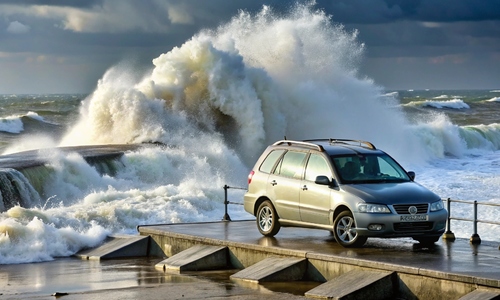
x=390, y=193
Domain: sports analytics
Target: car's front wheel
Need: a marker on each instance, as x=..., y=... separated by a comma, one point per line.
x=267, y=219
x=344, y=230
x=428, y=240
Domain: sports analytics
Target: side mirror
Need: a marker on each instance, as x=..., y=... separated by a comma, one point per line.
x=412, y=175
x=323, y=180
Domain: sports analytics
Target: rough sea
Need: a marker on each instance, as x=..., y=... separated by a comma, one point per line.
x=215, y=103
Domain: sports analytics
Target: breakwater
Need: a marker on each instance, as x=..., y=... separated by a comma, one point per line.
x=23, y=175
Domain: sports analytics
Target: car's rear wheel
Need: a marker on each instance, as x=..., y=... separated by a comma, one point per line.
x=344, y=230
x=267, y=219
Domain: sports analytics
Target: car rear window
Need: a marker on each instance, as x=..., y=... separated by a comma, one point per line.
x=268, y=163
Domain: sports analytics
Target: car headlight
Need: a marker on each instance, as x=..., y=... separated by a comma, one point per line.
x=439, y=205
x=373, y=208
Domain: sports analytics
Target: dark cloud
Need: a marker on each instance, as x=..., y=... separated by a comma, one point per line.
x=455, y=11
x=421, y=28
x=63, y=3
x=386, y=11
x=362, y=11
x=403, y=38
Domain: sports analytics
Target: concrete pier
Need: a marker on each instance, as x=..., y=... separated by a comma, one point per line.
x=401, y=267
x=39, y=157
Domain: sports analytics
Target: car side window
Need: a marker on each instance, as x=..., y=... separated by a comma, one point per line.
x=291, y=165
x=317, y=166
x=268, y=163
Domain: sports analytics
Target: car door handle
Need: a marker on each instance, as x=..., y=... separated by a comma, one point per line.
x=304, y=188
x=273, y=183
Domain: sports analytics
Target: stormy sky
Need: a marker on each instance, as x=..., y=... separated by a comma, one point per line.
x=57, y=46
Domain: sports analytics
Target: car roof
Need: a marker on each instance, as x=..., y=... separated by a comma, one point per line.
x=332, y=146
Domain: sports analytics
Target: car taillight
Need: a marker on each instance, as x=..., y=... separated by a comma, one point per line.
x=250, y=177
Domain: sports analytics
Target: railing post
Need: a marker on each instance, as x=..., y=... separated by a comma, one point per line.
x=226, y=202
x=475, y=239
x=448, y=235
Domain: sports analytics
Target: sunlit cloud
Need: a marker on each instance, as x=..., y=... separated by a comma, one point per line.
x=179, y=14
x=17, y=27
x=110, y=16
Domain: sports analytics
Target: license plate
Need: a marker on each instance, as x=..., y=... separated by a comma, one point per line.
x=413, y=218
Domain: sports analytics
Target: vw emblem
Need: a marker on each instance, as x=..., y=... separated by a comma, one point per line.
x=412, y=210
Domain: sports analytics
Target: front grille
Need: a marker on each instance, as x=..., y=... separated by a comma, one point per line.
x=413, y=226
x=402, y=209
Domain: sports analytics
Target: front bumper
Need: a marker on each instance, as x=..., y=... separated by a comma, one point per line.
x=392, y=226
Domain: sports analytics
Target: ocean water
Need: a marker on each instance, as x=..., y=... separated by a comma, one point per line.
x=216, y=102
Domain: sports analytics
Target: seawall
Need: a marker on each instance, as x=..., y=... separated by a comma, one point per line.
x=449, y=270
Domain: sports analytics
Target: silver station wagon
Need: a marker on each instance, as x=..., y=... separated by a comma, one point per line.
x=345, y=186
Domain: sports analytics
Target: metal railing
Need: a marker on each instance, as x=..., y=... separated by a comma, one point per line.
x=448, y=235
x=226, y=202
x=475, y=238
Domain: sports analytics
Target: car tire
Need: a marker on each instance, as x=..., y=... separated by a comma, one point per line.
x=344, y=230
x=428, y=240
x=267, y=219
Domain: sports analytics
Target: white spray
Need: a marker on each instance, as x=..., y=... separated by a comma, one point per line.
x=249, y=83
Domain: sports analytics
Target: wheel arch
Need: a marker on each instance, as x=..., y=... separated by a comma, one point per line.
x=338, y=210
x=259, y=202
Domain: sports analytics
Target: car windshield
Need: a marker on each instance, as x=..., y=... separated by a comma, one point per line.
x=369, y=168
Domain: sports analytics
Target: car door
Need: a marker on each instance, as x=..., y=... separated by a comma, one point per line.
x=284, y=184
x=315, y=199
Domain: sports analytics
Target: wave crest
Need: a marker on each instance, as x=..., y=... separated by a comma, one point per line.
x=443, y=104
x=300, y=81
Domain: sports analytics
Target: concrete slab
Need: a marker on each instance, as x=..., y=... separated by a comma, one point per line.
x=481, y=295
x=124, y=279
x=117, y=246
x=197, y=258
x=273, y=269
x=369, y=285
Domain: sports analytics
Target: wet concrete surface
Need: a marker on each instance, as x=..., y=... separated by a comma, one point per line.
x=131, y=278
x=458, y=257
x=135, y=278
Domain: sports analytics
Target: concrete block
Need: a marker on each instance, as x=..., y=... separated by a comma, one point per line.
x=481, y=295
x=273, y=269
x=197, y=258
x=356, y=284
x=118, y=246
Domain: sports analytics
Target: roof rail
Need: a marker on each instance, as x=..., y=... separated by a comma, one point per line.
x=303, y=143
x=361, y=143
